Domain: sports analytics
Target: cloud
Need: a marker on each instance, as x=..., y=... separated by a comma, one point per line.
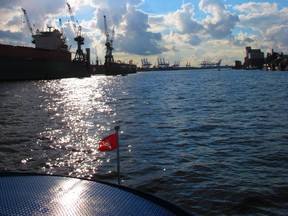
x=267, y=21
x=279, y=34
x=10, y=37
x=184, y=20
x=243, y=39
x=221, y=22
x=258, y=16
x=136, y=37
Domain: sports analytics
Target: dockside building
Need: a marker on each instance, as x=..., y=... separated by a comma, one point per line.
x=254, y=59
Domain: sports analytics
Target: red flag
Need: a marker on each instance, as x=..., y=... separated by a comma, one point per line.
x=108, y=143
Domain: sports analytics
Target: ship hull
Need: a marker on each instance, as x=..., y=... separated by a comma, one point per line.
x=24, y=63
x=97, y=69
x=119, y=69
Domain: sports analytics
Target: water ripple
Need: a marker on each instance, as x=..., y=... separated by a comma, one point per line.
x=213, y=142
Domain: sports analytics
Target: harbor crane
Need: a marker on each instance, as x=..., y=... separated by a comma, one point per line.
x=97, y=59
x=109, y=43
x=61, y=26
x=29, y=25
x=79, y=56
x=63, y=37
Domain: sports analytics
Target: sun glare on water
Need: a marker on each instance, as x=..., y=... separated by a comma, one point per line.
x=75, y=111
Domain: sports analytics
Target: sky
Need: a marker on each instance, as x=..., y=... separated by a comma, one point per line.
x=189, y=31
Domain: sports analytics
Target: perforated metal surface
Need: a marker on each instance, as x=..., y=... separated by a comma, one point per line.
x=55, y=195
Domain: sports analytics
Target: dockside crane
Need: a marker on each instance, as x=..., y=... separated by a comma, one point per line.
x=63, y=37
x=97, y=59
x=109, y=43
x=79, y=56
x=29, y=25
x=61, y=26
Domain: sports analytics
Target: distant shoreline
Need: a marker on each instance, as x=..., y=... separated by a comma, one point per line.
x=183, y=68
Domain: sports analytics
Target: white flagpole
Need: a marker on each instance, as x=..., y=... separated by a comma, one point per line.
x=118, y=159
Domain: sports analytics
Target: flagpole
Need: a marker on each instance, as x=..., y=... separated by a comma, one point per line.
x=118, y=158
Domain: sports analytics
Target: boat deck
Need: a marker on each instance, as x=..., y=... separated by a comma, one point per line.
x=57, y=195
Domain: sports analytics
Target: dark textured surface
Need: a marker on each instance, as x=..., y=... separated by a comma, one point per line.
x=55, y=195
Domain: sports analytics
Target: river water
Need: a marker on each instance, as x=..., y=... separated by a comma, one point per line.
x=212, y=142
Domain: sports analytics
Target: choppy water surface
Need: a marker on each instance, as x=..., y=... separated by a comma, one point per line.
x=212, y=142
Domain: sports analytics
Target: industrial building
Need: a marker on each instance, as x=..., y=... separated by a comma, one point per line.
x=276, y=61
x=254, y=59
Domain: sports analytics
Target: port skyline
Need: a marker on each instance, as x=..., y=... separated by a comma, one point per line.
x=185, y=31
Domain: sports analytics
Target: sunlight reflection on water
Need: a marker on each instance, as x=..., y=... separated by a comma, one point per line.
x=76, y=110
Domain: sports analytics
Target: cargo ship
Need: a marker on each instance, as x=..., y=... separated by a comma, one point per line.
x=118, y=68
x=49, y=59
x=26, y=63
x=113, y=68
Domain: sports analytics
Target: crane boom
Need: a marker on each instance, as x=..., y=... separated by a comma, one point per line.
x=109, y=43
x=79, y=55
x=61, y=26
x=106, y=29
x=28, y=22
x=112, y=37
x=72, y=19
